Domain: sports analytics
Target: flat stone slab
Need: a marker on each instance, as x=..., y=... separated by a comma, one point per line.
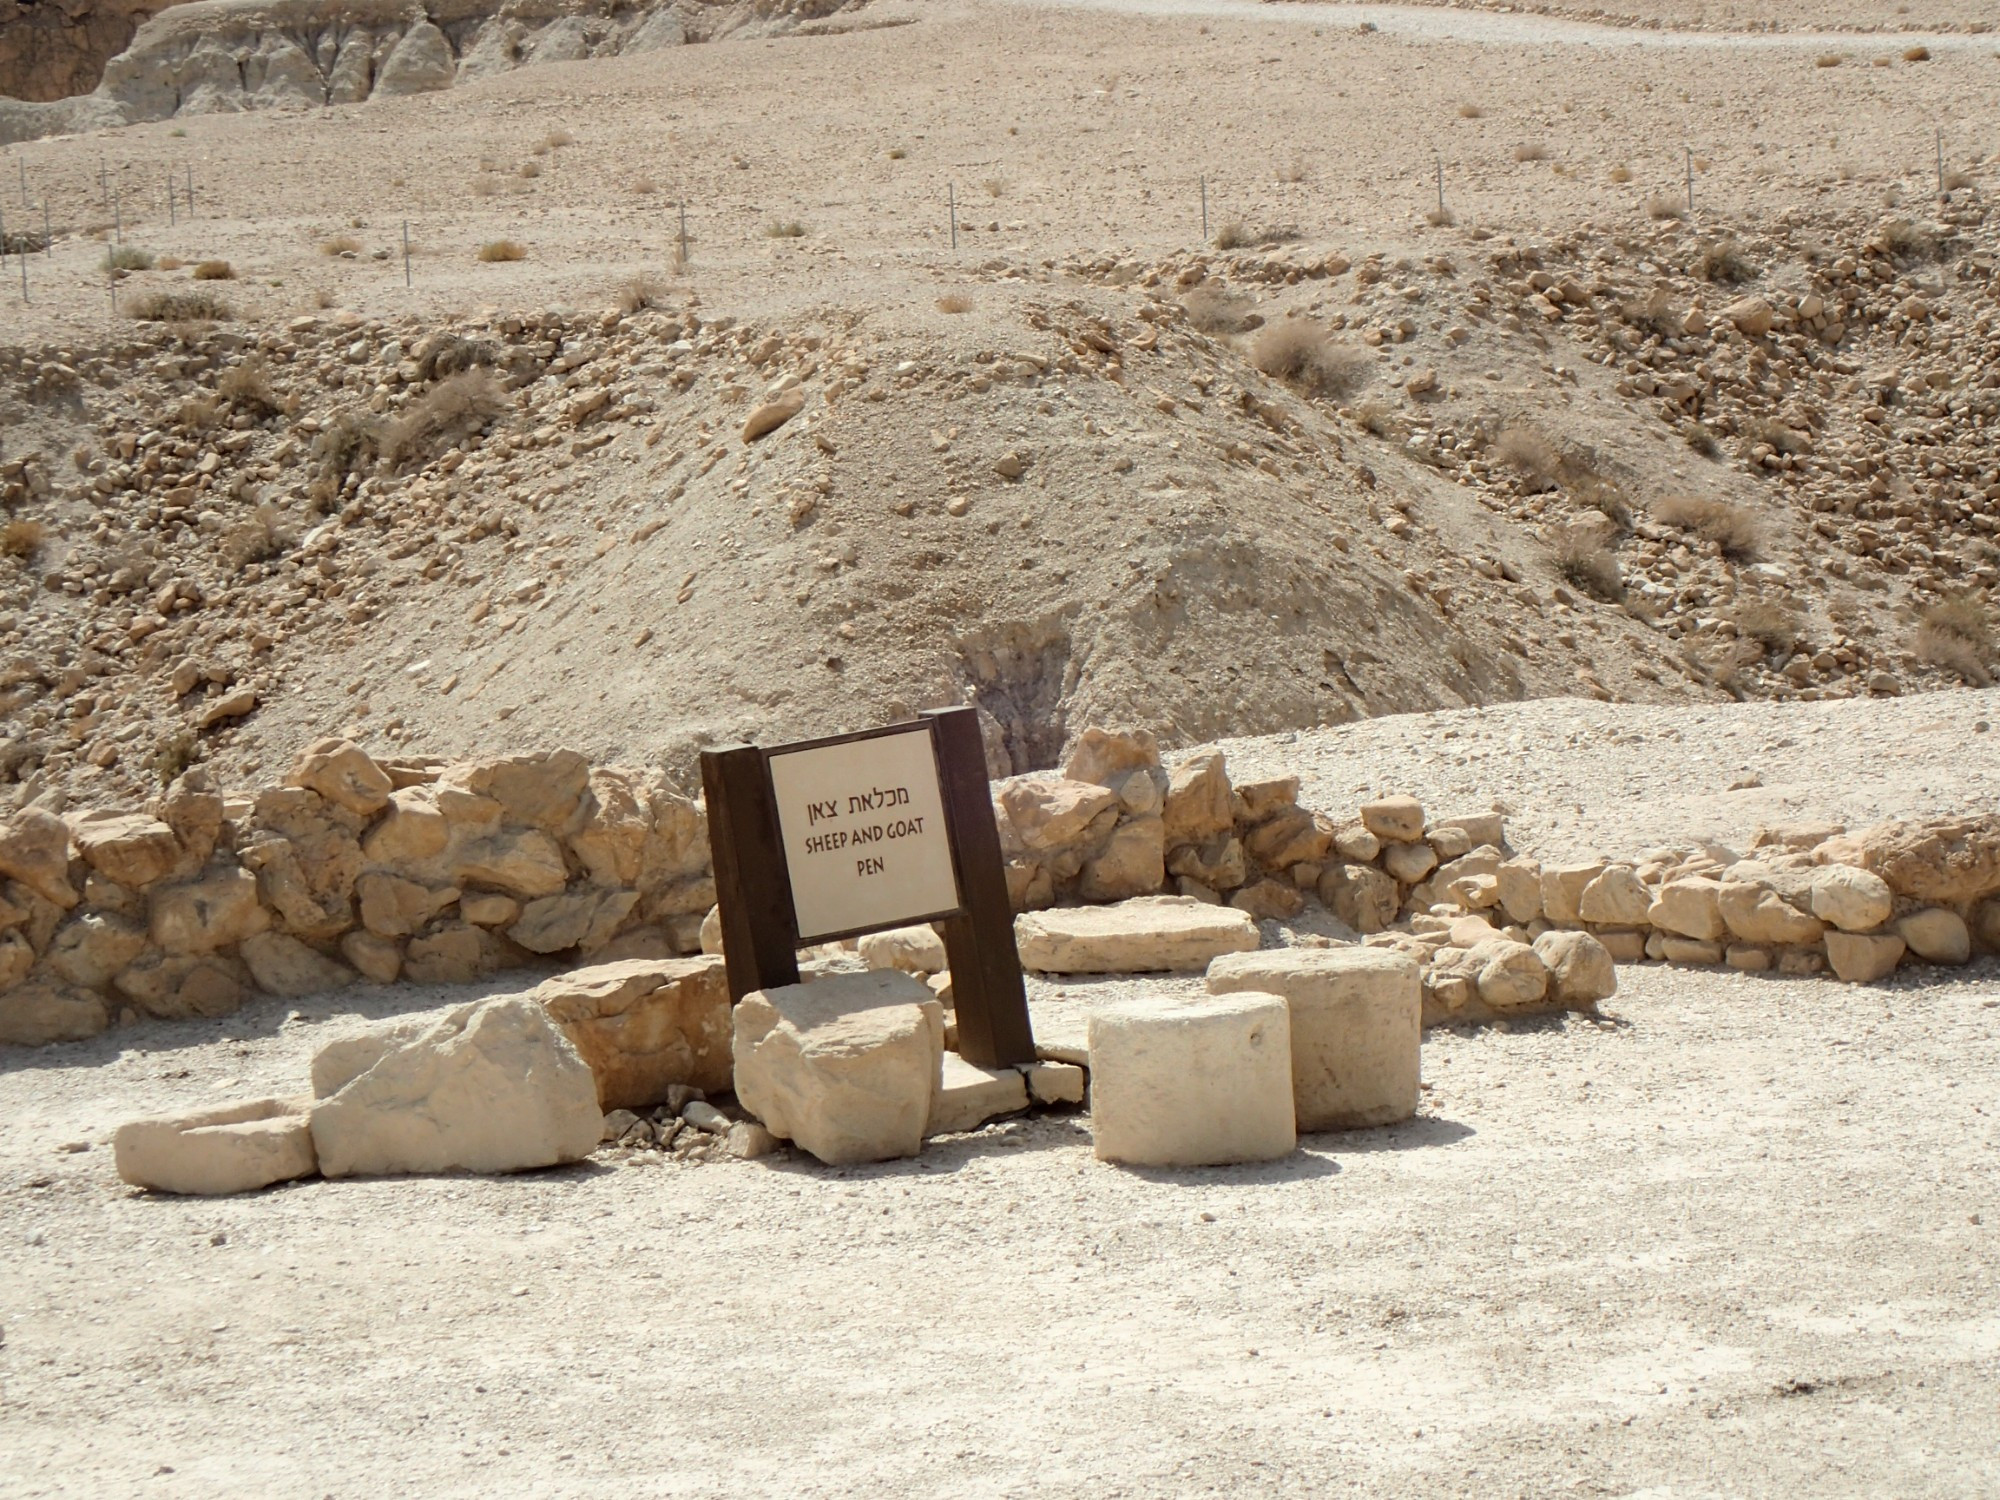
x=236, y=1148
x=1148, y=934
x=968, y=1095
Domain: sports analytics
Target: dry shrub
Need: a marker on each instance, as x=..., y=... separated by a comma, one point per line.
x=1591, y=569
x=954, y=302
x=259, y=538
x=1379, y=419
x=785, y=229
x=1213, y=309
x=897, y=153
x=1470, y=112
x=183, y=305
x=1829, y=60
x=677, y=260
x=1439, y=217
x=644, y=185
x=22, y=538
x=485, y=185
x=447, y=413
x=641, y=292
x=1953, y=653
x=1730, y=527
x=1307, y=356
x=128, y=258
x=1654, y=312
x=1529, y=455
x=247, y=385
x=1660, y=206
x=1621, y=173
x=1963, y=616
x=197, y=413
x=1533, y=151
x=1906, y=241
x=1723, y=261
x=1703, y=441
x=1770, y=430
x=340, y=244
x=1957, y=178
x=556, y=139
x=1774, y=625
x=1292, y=170
x=995, y=186
x=169, y=263
x=1233, y=234
x=214, y=270
x=529, y=168
x=502, y=250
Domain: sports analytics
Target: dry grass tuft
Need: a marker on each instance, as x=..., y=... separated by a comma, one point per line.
x=1829, y=60
x=485, y=185
x=1660, y=206
x=22, y=538
x=340, y=244
x=1906, y=241
x=641, y=292
x=1470, y=112
x=1292, y=170
x=1439, y=218
x=1723, y=261
x=1956, y=178
x=1591, y=569
x=897, y=153
x=1731, y=528
x=785, y=229
x=257, y=539
x=644, y=185
x=197, y=413
x=185, y=305
x=449, y=412
x=1654, y=312
x=1532, y=151
x=1529, y=455
x=247, y=385
x=503, y=250
x=996, y=187
x=556, y=139
x=1953, y=653
x=128, y=258
x=954, y=302
x=1213, y=309
x=169, y=263
x=1964, y=616
x=1620, y=173
x=1771, y=623
x=1307, y=356
x=213, y=270
x=530, y=169
x=1233, y=234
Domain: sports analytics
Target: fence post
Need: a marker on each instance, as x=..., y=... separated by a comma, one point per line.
x=951, y=200
x=406, y=253
x=1689, y=150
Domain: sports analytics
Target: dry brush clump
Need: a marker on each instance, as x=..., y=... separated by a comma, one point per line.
x=954, y=302
x=1956, y=634
x=1530, y=455
x=1214, y=309
x=340, y=244
x=1731, y=528
x=502, y=250
x=248, y=385
x=128, y=258
x=785, y=229
x=1723, y=261
x=213, y=270
x=1590, y=568
x=448, y=412
x=1531, y=151
x=1771, y=623
x=181, y=305
x=1303, y=354
x=259, y=538
x=641, y=292
x=22, y=538
x=1660, y=206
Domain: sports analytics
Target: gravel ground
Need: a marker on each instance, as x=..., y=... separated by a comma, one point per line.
x=1735, y=1239
x=1580, y=778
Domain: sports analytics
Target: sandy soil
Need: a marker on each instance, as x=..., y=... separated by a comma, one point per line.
x=1735, y=1238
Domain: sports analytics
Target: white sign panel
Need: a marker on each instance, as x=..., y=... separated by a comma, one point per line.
x=864, y=833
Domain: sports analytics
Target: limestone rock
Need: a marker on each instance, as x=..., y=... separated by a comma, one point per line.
x=421, y=62
x=543, y=790
x=523, y=862
x=93, y=946
x=1054, y=1082
x=1863, y=958
x=1689, y=908
x=282, y=965
x=455, y=954
x=1616, y=898
x=1178, y=1083
x=773, y=414
x=1518, y=887
x=1853, y=900
x=1562, y=891
x=1756, y=913
x=393, y=907
x=968, y=1096
x=1356, y=1028
x=1220, y=864
x=1107, y=757
x=1133, y=863
x=1510, y=976
x=645, y=1025
x=1048, y=812
x=1947, y=863
x=846, y=1067
x=1409, y=863
x=1269, y=900
x=173, y=987
x=1143, y=935
x=342, y=772
x=129, y=848
x=490, y=1087
x=38, y=1013
x=414, y=831
x=34, y=849
x=1360, y=895
x=236, y=1148
x=218, y=910
x=1290, y=836
x=1751, y=315
x=914, y=950
x=1259, y=801
x=585, y=918
x=1197, y=803
x=1580, y=968
x=378, y=960
x=1937, y=936
x=1396, y=820
x=1355, y=844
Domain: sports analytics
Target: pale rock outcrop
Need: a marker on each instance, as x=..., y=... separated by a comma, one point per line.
x=1863, y=958
x=914, y=950
x=493, y=1086
x=234, y=1148
x=131, y=849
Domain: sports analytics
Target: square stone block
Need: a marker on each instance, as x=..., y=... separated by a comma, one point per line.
x=969, y=1095
x=1145, y=935
x=1180, y=1083
x=1357, y=1028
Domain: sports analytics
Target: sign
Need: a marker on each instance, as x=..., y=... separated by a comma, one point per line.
x=836, y=837
x=863, y=826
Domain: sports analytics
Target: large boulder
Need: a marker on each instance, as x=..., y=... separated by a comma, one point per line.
x=1361, y=896
x=1615, y=898
x=1147, y=934
x=34, y=849
x=1394, y=820
x=1197, y=804
x=1357, y=1028
x=1510, y=976
x=216, y=911
x=914, y=950
x=585, y=918
x=130, y=849
x=523, y=862
x=39, y=1012
x=493, y=1086
x=1688, y=907
x=1936, y=936
x=1863, y=958
x=235, y=1148
x=1852, y=899
x=421, y=62
x=1191, y=1083
x=282, y=965
x=645, y=1025
x=1109, y=756
x=1581, y=972
x=344, y=774
x=93, y=946
x=1133, y=862
x=1757, y=913
x=1043, y=812
x=1946, y=863
x=846, y=1067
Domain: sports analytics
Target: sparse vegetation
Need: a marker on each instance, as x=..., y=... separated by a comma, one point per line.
x=213, y=270
x=197, y=413
x=1770, y=623
x=1232, y=234
x=529, y=169
x=1903, y=240
x=1304, y=354
x=485, y=185
x=1730, y=527
x=1956, y=178
x=1530, y=455
x=168, y=263
x=1956, y=634
x=897, y=153
x=1470, y=112
x=1439, y=218
x=1660, y=206
x=1214, y=309
x=1829, y=60
x=556, y=139
x=128, y=258
x=448, y=412
x=1532, y=151
x=1620, y=173
x=22, y=538
x=954, y=302
x=785, y=229
x=502, y=250
x=340, y=244
x=1591, y=570
x=995, y=186
x=1292, y=170
x=641, y=292
x=256, y=539
x=181, y=305
x=174, y=755
x=1723, y=261
x=1654, y=313
x=247, y=385
x=644, y=185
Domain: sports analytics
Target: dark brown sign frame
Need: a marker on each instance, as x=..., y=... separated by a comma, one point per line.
x=753, y=883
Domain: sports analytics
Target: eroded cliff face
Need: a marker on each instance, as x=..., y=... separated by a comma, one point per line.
x=52, y=49
x=210, y=56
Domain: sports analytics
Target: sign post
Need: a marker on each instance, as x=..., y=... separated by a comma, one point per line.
x=858, y=833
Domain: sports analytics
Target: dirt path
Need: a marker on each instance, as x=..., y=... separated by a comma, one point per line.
x=1736, y=1241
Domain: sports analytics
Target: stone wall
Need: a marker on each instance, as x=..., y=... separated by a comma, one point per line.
x=378, y=870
